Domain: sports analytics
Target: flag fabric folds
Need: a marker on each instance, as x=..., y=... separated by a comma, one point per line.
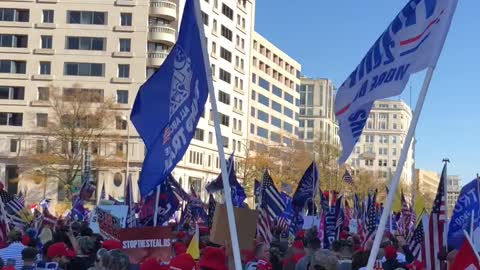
x=272, y=200
x=264, y=226
x=212, y=205
x=307, y=186
x=194, y=246
x=467, y=257
x=436, y=241
x=347, y=178
x=416, y=242
x=169, y=104
x=411, y=43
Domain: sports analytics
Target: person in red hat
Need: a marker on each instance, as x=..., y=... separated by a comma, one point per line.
x=60, y=254
x=213, y=259
x=391, y=262
x=179, y=248
x=294, y=254
x=183, y=262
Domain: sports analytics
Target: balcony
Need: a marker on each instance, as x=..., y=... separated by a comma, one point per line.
x=163, y=9
x=164, y=34
x=155, y=59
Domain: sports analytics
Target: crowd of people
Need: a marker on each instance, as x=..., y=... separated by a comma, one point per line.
x=76, y=247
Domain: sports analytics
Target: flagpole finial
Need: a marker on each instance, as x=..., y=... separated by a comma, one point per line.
x=446, y=160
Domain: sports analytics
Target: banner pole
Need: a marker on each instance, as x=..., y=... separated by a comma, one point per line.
x=400, y=165
x=219, y=140
x=155, y=215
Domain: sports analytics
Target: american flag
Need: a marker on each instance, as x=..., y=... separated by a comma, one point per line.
x=131, y=219
x=271, y=199
x=436, y=240
x=347, y=178
x=212, y=204
x=264, y=226
x=415, y=242
x=371, y=218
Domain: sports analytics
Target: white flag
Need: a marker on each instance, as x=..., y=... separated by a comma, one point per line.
x=411, y=43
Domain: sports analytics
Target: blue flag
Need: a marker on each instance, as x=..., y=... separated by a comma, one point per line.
x=468, y=202
x=169, y=104
x=306, y=187
x=333, y=222
x=238, y=192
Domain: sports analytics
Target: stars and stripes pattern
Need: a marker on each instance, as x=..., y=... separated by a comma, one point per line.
x=271, y=200
x=415, y=242
x=436, y=240
x=264, y=226
x=371, y=218
x=347, y=178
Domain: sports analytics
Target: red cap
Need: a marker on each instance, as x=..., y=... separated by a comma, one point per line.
x=181, y=234
x=58, y=250
x=264, y=265
x=343, y=235
x=298, y=244
x=182, y=262
x=25, y=240
x=390, y=252
x=300, y=234
x=179, y=248
x=214, y=259
x=203, y=230
x=150, y=264
x=111, y=244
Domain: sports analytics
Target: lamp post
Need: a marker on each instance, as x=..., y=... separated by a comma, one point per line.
x=127, y=166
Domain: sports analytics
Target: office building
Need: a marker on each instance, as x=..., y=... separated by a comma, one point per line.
x=454, y=186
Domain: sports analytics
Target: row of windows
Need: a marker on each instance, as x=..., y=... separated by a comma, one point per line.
x=276, y=59
x=200, y=136
x=71, y=43
x=227, y=55
x=382, y=151
x=275, y=89
x=381, y=139
x=273, y=136
x=275, y=105
x=265, y=117
x=383, y=125
x=274, y=73
x=73, y=17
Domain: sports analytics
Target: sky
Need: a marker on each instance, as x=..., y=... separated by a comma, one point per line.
x=329, y=38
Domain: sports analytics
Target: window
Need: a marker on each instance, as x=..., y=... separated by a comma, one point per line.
x=198, y=134
x=394, y=125
x=41, y=146
x=14, y=15
x=215, y=4
x=123, y=71
x=122, y=96
x=125, y=44
x=277, y=91
x=214, y=26
x=254, y=95
x=225, y=142
x=394, y=163
x=263, y=100
x=126, y=19
x=288, y=112
x=12, y=92
x=213, y=71
x=288, y=97
x=275, y=137
x=120, y=123
x=86, y=17
x=214, y=48
x=225, y=76
x=210, y=137
x=369, y=162
x=85, y=43
x=43, y=94
x=13, y=41
x=84, y=69
x=310, y=123
x=42, y=119
x=13, y=145
x=205, y=18
x=226, y=33
x=394, y=151
x=225, y=54
x=264, y=83
x=287, y=127
x=11, y=66
x=119, y=148
x=46, y=42
x=262, y=116
x=48, y=15
x=252, y=111
x=262, y=132
x=276, y=106
x=11, y=119
x=276, y=122
x=223, y=97
x=45, y=68
x=394, y=139
x=224, y=119
x=227, y=11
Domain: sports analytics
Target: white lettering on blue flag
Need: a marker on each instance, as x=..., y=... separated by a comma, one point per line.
x=411, y=43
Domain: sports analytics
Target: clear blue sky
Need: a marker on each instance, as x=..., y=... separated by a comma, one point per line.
x=329, y=38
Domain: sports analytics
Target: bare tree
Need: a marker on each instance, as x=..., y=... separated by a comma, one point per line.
x=79, y=120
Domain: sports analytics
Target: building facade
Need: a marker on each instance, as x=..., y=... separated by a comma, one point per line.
x=378, y=149
x=454, y=185
x=113, y=47
x=273, y=96
x=426, y=182
x=317, y=119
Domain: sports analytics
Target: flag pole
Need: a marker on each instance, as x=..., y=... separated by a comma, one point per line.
x=400, y=165
x=219, y=139
x=155, y=215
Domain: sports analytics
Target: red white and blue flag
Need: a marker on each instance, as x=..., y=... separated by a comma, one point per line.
x=411, y=43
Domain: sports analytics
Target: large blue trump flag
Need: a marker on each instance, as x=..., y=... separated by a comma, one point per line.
x=466, y=208
x=411, y=43
x=169, y=104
